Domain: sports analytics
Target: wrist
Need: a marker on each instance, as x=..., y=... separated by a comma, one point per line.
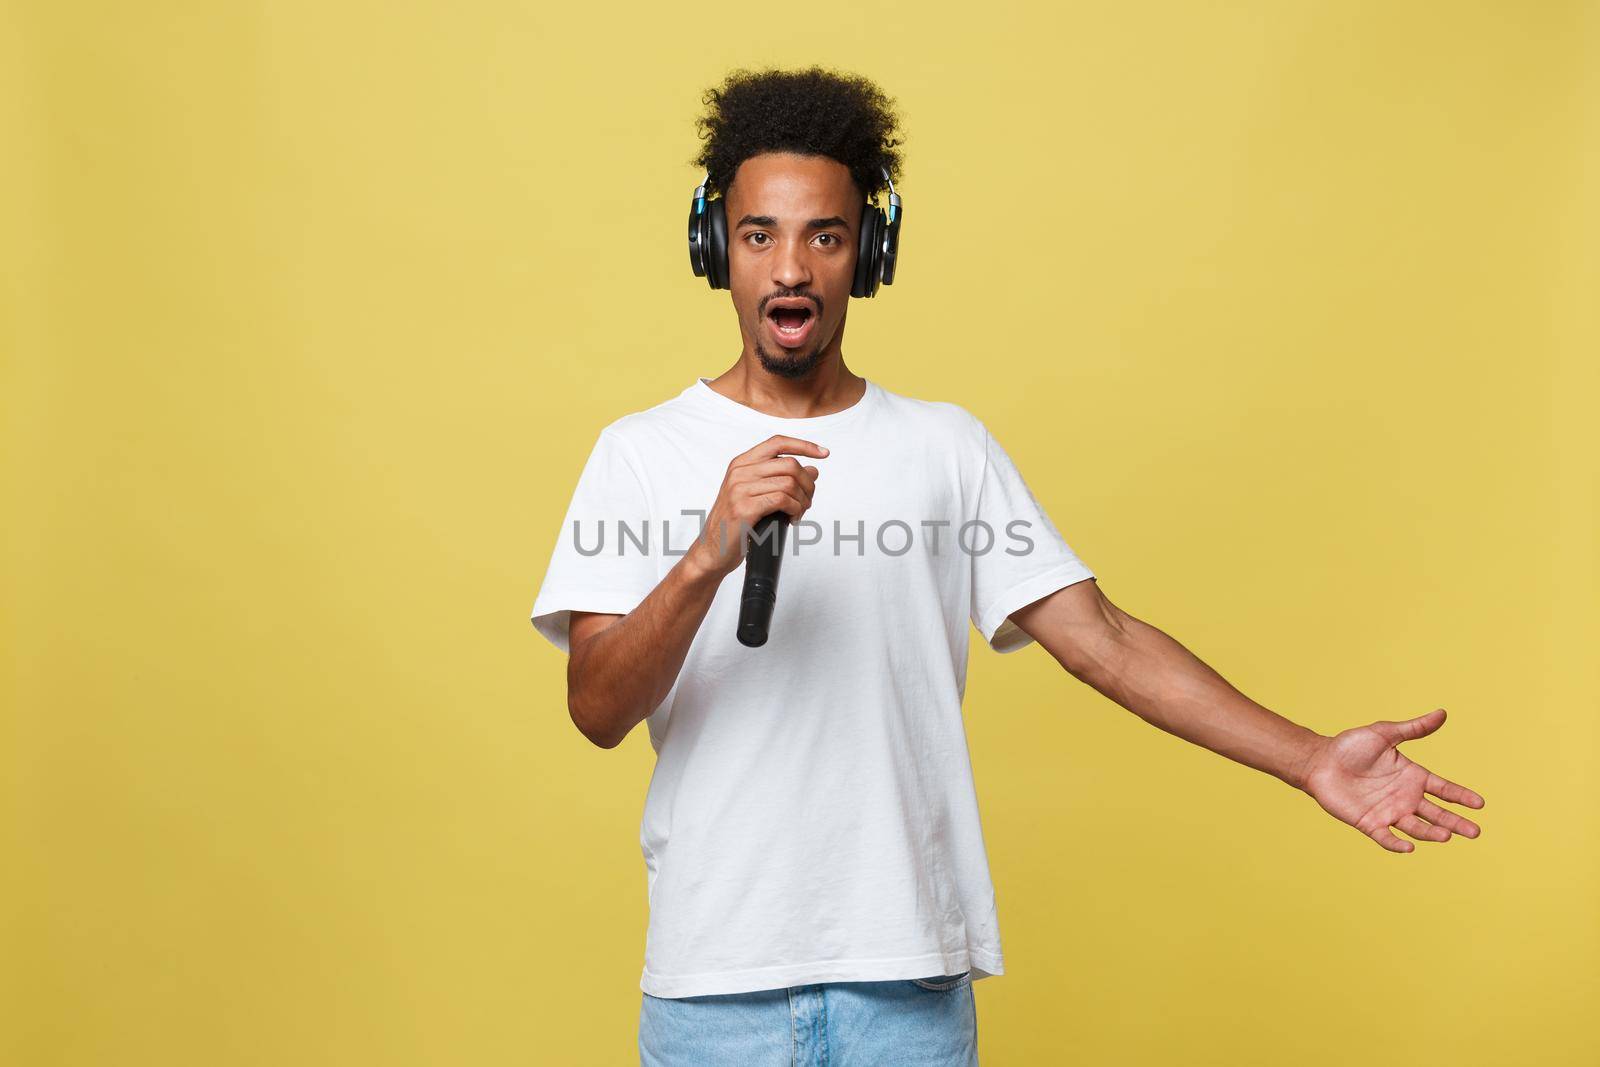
x=701, y=565
x=1302, y=759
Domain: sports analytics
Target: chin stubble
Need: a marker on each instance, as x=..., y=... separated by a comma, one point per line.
x=789, y=366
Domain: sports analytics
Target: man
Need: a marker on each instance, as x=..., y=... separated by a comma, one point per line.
x=816, y=871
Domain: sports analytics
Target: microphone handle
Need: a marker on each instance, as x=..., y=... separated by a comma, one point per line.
x=764, y=552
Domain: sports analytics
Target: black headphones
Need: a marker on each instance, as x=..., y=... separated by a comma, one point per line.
x=875, y=256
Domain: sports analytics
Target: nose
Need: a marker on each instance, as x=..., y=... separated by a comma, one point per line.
x=789, y=266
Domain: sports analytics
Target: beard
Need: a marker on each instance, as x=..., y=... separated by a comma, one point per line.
x=789, y=365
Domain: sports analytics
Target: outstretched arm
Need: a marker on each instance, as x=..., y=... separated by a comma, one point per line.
x=1358, y=776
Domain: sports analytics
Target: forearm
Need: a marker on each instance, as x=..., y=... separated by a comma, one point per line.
x=1152, y=675
x=618, y=676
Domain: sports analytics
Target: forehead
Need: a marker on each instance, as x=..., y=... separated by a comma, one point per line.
x=787, y=184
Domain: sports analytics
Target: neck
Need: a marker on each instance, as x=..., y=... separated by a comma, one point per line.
x=831, y=387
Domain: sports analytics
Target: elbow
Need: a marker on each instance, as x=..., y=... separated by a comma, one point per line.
x=1098, y=660
x=1099, y=653
x=592, y=720
x=604, y=742
x=597, y=728
x=594, y=705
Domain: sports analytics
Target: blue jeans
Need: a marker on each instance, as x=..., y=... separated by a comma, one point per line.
x=925, y=1022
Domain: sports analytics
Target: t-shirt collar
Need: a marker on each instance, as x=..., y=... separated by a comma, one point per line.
x=702, y=392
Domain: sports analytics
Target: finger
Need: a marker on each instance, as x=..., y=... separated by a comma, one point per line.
x=780, y=501
x=1455, y=794
x=1448, y=819
x=1410, y=729
x=749, y=511
x=778, y=445
x=764, y=477
x=1422, y=831
x=1387, y=838
x=782, y=483
x=785, y=465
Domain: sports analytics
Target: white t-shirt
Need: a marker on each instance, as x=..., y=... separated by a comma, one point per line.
x=812, y=815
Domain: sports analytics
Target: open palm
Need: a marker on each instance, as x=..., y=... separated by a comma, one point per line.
x=1360, y=777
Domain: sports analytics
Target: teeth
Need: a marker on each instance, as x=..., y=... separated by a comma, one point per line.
x=793, y=330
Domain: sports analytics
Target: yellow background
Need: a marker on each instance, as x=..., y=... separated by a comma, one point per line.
x=311, y=314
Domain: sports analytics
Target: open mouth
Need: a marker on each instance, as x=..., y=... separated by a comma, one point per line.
x=791, y=321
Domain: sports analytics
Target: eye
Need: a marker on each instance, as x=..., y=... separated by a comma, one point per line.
x=759, y=234
x=832, y=239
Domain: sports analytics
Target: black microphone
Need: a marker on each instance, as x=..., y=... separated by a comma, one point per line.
x=764, y=552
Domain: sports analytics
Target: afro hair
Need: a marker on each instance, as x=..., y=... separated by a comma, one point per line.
x=815, y=112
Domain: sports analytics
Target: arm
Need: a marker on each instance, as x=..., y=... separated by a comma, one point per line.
x=1358, y=775
x=620, y=667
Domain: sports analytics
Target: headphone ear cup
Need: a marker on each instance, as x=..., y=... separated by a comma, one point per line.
x=868, y=252
x=697, y=237
x=717, y=243
x=891, y=243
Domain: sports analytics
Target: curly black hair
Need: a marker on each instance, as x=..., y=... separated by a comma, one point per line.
x=811, y=112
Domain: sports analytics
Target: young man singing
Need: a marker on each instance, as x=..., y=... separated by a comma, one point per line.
x=817, y=879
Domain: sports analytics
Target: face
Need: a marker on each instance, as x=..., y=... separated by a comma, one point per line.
x=792, y=240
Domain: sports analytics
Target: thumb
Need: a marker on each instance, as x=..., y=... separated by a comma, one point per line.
x=1410, y=729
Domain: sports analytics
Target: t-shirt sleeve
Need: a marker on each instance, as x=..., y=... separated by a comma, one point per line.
x=1028, y=558
x=593, y=567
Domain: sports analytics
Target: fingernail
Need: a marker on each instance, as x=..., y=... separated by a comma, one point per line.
x=824, y=449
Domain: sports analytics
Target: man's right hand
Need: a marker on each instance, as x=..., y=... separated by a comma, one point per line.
x=623, y=666
x=765, y=479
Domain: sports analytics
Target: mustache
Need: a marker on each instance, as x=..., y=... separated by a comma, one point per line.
x=790, y=294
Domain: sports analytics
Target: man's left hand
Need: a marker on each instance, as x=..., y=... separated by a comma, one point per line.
x=1360, y=777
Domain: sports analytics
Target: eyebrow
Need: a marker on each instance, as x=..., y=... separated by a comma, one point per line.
x=815, y=224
